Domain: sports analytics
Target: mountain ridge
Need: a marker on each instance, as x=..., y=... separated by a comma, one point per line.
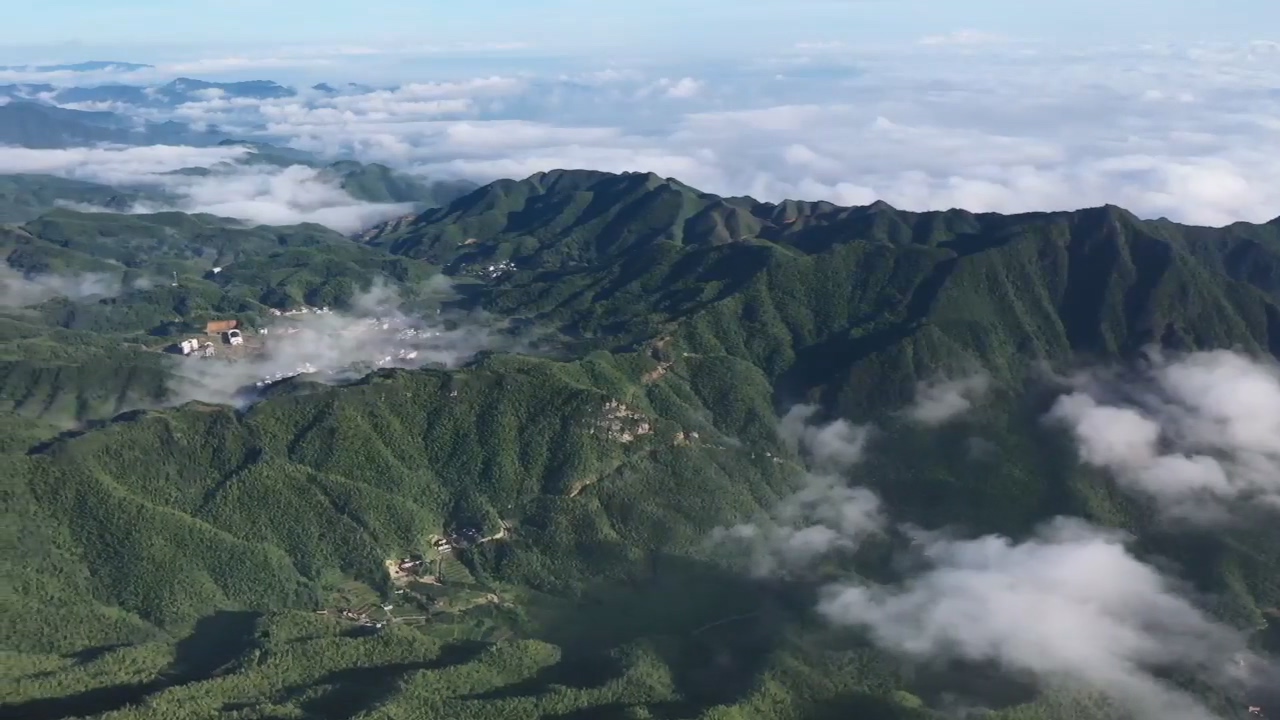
x=550, y=230
x=540, y=185
x=84, y=66
x=30, y=124
x=685, y=327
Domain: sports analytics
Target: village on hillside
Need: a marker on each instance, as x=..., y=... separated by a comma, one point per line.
x=389, y=342
x=427, y=587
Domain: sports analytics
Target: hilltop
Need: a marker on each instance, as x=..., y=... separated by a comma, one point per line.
x=179, y=552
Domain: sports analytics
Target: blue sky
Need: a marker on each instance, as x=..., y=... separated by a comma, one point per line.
x=155, y=29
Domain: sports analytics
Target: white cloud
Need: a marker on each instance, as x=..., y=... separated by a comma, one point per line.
x=310, y=58
x=940, y=401
x=820, y=45
x=374, y=332
x=274, y=196
x=223, y=64
x=112, y=165
x=1199, y=434
x=962, y=37
x=21, y=290
x=827, y=515
x=1180, y=132
x=414, y=102
x=685, y=87
x=829, y=448
x=1070, y=606
x=256, y=194
x=165, y=71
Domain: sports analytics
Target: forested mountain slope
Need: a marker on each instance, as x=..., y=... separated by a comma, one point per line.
x=170, y=560
x=811, y=289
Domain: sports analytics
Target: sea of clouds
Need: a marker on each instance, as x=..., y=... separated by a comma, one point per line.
x=256, y=194
x=1072, y=605
x=971, y=121
x=1189, y=132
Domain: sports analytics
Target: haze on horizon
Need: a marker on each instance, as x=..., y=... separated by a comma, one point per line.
x=1165, y=108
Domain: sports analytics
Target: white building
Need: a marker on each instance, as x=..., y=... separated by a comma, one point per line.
x=186, y=347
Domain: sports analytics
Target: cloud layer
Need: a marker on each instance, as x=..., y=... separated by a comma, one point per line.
x=962, y=120
x=336, y=347
x=273, y=196
x=826, y=515
x=1199, y=434
x=257, y=194
x=941, y=401
x=1070, y=607
x=19, y=290
x=1180, y=131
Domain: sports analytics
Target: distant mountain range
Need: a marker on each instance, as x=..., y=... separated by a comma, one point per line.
x=29, y=124
x=89, y=66
x=174, y=92
x=25, y=197
x=49, y=116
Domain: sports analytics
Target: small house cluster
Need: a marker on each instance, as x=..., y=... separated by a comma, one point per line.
x=188, y=346
x=467, y=536
x=406, y=569
x=463, y=538
x=623, y=424
x=403, y=354
x=492, y=271
x=411, y=333
x=378, y=323
x=408, y=565
x=381, y=342
x=303, y=369
x=305, y=309
x=193, y=347
x=360, y=616
x=685, y=438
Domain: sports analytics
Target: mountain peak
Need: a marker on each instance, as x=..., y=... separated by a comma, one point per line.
x=569, y=174
x=256, y=89
x=1109, y=214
